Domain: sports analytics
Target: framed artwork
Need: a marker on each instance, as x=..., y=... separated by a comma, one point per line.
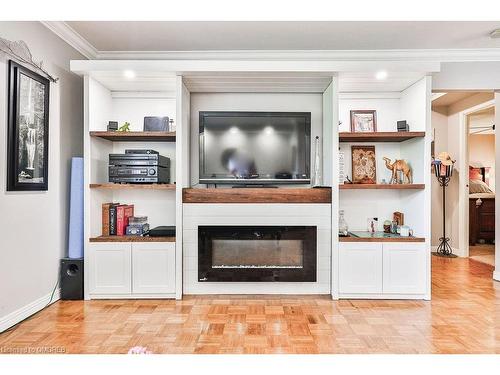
x=28, y=130
x=364, y=121
x=364, y=165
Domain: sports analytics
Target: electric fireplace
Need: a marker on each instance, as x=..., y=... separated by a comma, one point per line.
x=257, y=253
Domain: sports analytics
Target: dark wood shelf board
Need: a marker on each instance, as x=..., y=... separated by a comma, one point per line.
x=257, y=195
x=134, y=136
x=379, y=136
x=391, y=239
x=113, y=186
x=382, y=186
x=131, y=239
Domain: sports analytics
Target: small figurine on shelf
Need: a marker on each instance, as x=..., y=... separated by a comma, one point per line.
x=125, y=127
x=396, y=167
x=372, y=226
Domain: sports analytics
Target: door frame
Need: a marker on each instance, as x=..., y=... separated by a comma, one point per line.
x=463, y=180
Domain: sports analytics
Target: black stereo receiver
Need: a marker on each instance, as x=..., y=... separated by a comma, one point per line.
x=139, y=159
x=139, y=166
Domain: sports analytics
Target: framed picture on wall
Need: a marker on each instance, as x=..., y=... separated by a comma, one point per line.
x=364, y=121
x=364, y=165
x=28, y=130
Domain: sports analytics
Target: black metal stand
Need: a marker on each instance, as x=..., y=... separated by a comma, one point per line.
x=444, y=249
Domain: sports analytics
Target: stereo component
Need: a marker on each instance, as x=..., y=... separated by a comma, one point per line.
x=139, y=166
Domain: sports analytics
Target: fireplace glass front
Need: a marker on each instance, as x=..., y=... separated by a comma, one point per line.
x=257, y=253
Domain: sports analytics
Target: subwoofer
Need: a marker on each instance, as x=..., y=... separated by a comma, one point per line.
x=71, y=279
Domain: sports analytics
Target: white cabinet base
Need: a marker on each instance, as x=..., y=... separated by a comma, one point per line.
x=109, y=268
x=153, y=268
x=126, y=270
x=375, y=270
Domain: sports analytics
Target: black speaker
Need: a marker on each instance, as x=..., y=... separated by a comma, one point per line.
x=71, y=274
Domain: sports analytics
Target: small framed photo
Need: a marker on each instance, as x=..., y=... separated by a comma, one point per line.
x=364, y=121
x=364, y=165
x=28, y=130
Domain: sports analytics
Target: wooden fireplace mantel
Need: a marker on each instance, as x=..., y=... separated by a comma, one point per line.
x=257, y=195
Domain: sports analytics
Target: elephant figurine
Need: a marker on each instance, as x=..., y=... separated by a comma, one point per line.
x=399, y=165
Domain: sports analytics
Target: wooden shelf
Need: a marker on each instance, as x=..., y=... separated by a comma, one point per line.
x=382, y=186
x=258, y=195
x=134, y=136
x=379, y=136
x=389, y=239
x=131, y=239
x=113, y=186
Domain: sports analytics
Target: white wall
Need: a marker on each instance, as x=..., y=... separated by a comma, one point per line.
x=467, y=76
x=440, y=131
x=36, y=222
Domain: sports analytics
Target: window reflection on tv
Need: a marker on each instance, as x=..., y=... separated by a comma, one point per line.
x=255, y=147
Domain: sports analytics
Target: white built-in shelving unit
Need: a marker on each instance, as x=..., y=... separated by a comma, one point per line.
x=387, y=268
x=166, y=267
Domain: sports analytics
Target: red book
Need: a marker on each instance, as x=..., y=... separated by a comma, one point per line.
x=120, y=220
x=129, y=212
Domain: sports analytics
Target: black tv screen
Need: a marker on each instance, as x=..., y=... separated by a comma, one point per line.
x=255, y=147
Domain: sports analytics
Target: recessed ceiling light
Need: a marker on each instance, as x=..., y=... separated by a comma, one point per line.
x=130, y=74
x=381, y=75
x=495, y=34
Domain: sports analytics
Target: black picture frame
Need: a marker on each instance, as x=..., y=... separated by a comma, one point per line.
x=37, y=176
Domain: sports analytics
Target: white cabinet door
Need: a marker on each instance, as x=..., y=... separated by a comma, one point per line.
x=153, y=267
x=110, y=268
x=360, y=267
x=404, y=268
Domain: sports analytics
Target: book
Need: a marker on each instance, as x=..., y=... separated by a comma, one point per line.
x=112, y=219
x=129, y=212
x=120, y=219
x=105, y=218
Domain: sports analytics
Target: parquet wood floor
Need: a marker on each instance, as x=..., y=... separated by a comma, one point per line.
x=463, y=317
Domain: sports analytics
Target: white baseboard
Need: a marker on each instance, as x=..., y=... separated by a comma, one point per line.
x=496, y=275
x=19, y=315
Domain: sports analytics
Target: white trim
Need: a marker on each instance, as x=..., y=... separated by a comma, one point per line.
x=143, y=94
x=133, y=296
x=370, y=95
x=184, y=67
x=74, y=39
x=24, y=312
x=383, y=296
x=496, y=275
x=441, y=55
x=70, y=36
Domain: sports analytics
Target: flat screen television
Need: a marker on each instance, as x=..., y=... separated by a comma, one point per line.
x=255, y=147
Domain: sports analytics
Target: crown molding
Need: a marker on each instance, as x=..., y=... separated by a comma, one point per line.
x=70, y=36
x=440, y=55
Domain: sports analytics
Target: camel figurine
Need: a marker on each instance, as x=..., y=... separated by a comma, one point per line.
x=399, y=165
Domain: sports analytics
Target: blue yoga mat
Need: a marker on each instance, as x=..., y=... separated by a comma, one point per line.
x=75, y=240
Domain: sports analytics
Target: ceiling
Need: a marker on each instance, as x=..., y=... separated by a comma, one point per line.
x=450, y=98
x=230, y=35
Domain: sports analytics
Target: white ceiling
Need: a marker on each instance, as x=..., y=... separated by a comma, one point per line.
x=216, y=36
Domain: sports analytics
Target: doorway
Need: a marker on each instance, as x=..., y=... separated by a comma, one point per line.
x=482, y=171
x=456, y=116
